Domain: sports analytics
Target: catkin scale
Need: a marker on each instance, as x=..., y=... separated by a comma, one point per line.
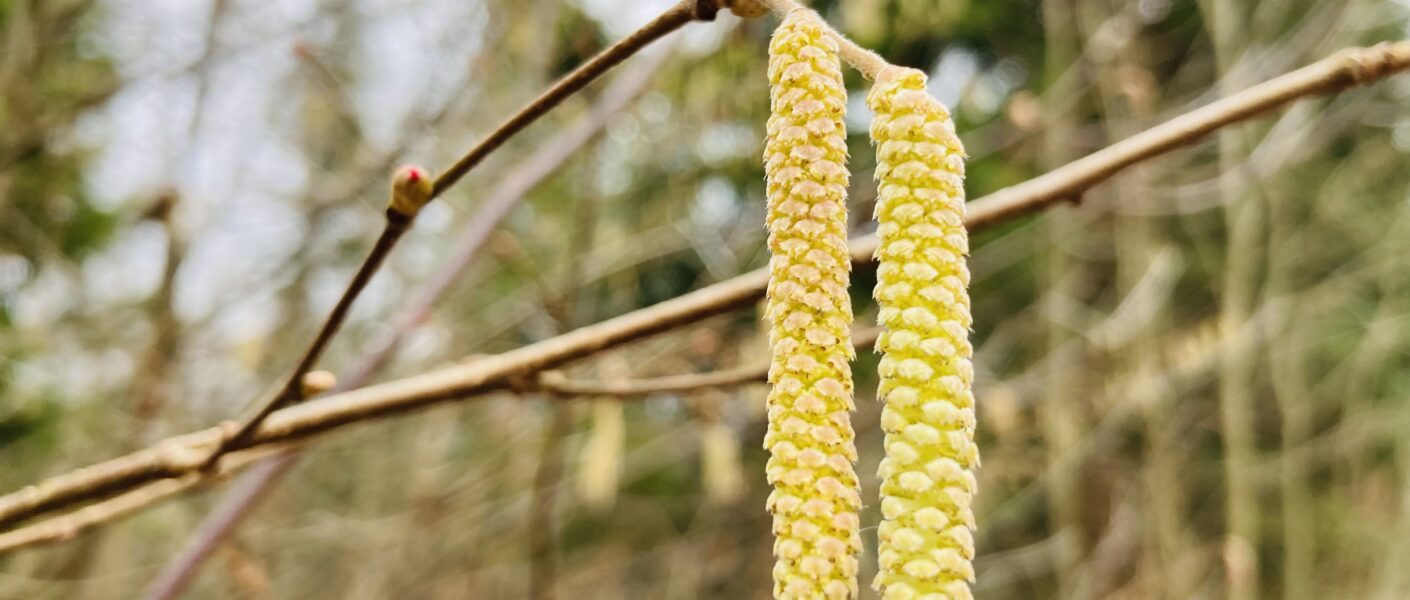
x=815, y=501
x=926, y=539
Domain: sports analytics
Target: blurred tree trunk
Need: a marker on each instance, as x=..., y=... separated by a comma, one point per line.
x=1244, y=216
x=1291, y=385
x=1062, y=407
x=1129, y=96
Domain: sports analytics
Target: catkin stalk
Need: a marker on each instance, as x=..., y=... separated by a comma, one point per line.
x=926, y=534
x=815, y=500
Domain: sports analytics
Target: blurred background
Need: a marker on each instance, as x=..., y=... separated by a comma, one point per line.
x=1194, y=384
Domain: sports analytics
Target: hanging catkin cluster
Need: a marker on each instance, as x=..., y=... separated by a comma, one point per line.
x=926, y=535
x=815, y=499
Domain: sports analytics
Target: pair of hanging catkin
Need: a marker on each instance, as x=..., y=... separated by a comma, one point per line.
x=926, y=539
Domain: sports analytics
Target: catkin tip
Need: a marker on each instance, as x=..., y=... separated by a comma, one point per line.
x=411, y=190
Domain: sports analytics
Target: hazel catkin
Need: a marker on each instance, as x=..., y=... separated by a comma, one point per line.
x=815, y=501
x=926, y=539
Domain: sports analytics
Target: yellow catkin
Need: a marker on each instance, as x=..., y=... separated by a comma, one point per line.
x=815, y=500
x=927, y=530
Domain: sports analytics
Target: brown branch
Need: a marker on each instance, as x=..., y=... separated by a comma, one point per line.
x=674, y=18
x=504, y=195
x=291, y=392
x=1347, y=68
x=170, y=459
x=150, y=381
x=556, y=383
x=66, y=527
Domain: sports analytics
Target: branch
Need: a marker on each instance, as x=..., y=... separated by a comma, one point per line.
x=291, y=392
x=674, y=18
x=66, y=527
x=556, y=383
x=400, y=216
x=1345, y=69
x=503, y=196
x=1348, y=68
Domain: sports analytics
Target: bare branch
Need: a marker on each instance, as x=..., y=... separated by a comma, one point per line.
x=399, y=218
x=503, y=196
x=556, y=383
x=674, y=18
x=291, y=392
x=66, y=527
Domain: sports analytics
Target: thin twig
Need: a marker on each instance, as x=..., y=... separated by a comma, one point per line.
x=149, y=383
x=556, y=383
x=1345, y=69
x=1238, y=298
x=63, y=528
x=674, y=18
x=234, y=506
x=504, y=195
x=291, y=392
x=66, y=527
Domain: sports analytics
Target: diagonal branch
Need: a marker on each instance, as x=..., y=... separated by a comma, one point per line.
x=66, y=527
x=399, y=217
x=503, y=196
x=672, y=19
x=291, y=391
x=170, y=459
x=556, y=383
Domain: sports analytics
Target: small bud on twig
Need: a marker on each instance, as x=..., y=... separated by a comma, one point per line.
x=411, y=190
x=317, y=382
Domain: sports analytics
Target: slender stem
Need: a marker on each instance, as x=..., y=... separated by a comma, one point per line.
x=674, y=18
x=555, y=382
x=1061, y=413
x=1291, y=384
x=291, y=392
x=503, y=197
